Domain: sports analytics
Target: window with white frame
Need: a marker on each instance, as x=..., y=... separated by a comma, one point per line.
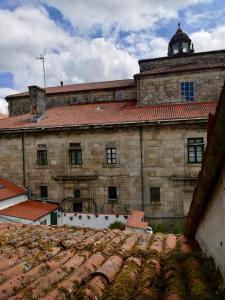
x=111, y=155
x=195, y=150
x=187, y=90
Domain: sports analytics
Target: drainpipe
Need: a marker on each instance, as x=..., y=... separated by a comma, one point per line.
x=23, y=160
x=142, y=172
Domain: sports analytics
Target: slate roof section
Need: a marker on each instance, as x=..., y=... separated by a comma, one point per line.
x=181, y=68
x=111, y=113
x=30, y=210
x=9, y=189
x=82, y=87
x=55, y=263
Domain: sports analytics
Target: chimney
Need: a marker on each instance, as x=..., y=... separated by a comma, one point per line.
x=61, y=83
x=37, y=100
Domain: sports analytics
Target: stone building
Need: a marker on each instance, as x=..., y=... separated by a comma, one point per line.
x=117, y=145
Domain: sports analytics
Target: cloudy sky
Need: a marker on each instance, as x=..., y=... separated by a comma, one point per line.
x=95, y=40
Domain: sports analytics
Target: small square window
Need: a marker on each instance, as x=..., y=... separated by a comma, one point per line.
x=44, y=222
x=155, y=194
x=44, y=191
x=112, y=193
x=187, y=90
x=111, y=155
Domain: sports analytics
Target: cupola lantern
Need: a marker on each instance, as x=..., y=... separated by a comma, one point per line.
x=180, y=43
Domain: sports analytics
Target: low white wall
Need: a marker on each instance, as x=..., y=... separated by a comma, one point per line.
x=211, y=230
x=98, y=221
x=12, y=201
x=25, y=221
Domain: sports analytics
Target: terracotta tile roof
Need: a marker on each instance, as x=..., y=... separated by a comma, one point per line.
x=30, y=210
x=80, y=87
x=135, y=220
x=110, y=113
x=181, y=68
x=9, y=189
x=3, y=116
x=53, y=263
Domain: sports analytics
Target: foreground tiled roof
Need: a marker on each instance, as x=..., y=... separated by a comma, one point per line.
x=3, y=116
x=181, y=68
x=135, y=220
x=55, y=263
x=30, y=210
x=111, y=113
x=9, y=189
x=80, y=87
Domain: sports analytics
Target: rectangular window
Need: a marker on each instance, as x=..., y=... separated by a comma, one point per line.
x=155, y=194
x=187, y=90
x=112, y=193
x=42, y=155
x=195, y=150
x=111, y=155
x=75, y=154
x=44, y=191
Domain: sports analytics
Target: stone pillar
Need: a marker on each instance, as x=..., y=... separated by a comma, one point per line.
x=37, y=100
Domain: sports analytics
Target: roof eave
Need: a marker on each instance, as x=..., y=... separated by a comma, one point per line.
x=108, y=125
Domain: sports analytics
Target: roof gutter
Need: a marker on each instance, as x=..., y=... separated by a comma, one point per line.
x=109, y=125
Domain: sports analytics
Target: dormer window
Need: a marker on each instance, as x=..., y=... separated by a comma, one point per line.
x=185, y=47
x=175, y=48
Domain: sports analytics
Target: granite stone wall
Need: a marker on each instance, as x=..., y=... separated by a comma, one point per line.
x=23, y=104
x=166, y=89
x=196, y=58
x=165, y=165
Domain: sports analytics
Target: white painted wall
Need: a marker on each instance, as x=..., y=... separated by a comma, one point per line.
x=98, y=221
x=26, y=221
x=12, y=201
x=211, y=230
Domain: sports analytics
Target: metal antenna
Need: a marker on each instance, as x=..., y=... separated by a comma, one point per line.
x=41, y=57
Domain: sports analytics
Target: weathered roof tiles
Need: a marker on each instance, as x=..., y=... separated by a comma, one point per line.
x=110, y=113
x=52, y=263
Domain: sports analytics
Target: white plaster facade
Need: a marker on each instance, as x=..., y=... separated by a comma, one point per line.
x=12, y=201
x=211, y=231
x=97, y=221
x=40, y=221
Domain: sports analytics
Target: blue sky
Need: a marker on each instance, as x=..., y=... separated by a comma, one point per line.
x=95, y=40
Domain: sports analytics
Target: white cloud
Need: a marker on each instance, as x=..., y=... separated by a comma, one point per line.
x=3, y=103
x=209, y=40
x=128, y=15
x=28, y=32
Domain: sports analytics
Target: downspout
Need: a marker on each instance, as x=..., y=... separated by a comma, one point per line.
x=23, y=160
x=142, y=171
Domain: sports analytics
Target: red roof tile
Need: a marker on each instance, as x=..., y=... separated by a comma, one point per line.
x=31, y=210
x=135, y=220
x=181, y=68
x=3, y=116
x=9, y=189
x=45, y=262
x=110, y=113
x=80, y=87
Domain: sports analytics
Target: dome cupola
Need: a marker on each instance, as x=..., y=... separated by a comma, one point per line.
x=180, y=43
